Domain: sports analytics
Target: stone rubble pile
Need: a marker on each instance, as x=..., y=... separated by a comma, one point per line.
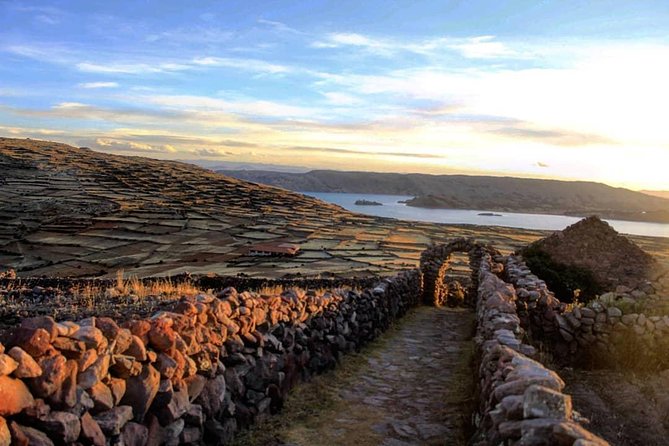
x=195, y=374
x=521, y=401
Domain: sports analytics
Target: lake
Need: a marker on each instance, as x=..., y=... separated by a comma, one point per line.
x=393, y=209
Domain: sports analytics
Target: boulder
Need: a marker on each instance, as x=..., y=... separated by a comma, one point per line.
x=14, y=396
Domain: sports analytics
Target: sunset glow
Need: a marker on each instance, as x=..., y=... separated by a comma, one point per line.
x=564, y=90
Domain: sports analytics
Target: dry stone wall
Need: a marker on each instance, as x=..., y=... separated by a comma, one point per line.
x=521, y=402
x=601, y=333
x=435, y=262
x=197, y=373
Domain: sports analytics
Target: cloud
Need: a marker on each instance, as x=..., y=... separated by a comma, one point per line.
x=91, y=85
x=116, y=145
x=363, y=152
x=543, y=165
x=242, y=64
x=279, y=26
x=211, y=152
x=131, y=68
x=563, y=138
x=476, y=47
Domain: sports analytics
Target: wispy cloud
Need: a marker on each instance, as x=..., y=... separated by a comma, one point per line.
x=280, y=26
x=364, y=152
x=255, y=65
x=93, y=85
x=476, y=47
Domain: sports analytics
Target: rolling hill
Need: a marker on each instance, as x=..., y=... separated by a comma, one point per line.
x=508, y=194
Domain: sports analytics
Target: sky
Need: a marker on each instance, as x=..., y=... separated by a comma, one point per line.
x=551, y=89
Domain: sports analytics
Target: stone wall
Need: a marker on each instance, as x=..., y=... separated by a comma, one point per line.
x=434, y=264
x=604, y=332
x=197, y=373
x=520, y=400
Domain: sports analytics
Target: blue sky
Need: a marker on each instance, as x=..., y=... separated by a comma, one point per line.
x=556, y=89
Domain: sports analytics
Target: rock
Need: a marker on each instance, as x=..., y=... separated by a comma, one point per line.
x=92, y=337
x=91, y=434
x=135, y=434
x=44, y=322
x=31, y=436
x=166, y=365
x=136, y=349
x=7, y=365
x=161, y=336
x=117, y=387
x=94, y=373
x=102, y=397
x=141, y=390
x=177, y=406
x=195, y=385
x=14, y=396
x=88, y=359
x=125, y=366
x=566, y=433
x=63, y=427
x=112, y=421
x=36, y=342
x=212, y=396
x=53, y=374
x=172, y=432
x=190, y=435
x=194, y=416
x=27, y=366
x=614, y=312
x=66, y=394
x=542, y=402
x=5, y=435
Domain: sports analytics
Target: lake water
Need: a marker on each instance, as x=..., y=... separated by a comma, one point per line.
x=393, y=209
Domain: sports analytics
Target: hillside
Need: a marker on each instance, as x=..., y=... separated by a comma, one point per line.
x=657, y=193
x=478, y=192
x=71, y=211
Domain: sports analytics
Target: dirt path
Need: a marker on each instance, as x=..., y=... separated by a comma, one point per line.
x=413, y=386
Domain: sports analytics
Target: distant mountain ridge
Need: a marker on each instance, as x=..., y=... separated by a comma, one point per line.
x=581, y=198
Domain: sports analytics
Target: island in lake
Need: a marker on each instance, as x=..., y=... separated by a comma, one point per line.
x=367, y=203
x=490, y=214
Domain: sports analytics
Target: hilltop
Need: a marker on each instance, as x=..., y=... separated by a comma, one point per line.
x=579, y=198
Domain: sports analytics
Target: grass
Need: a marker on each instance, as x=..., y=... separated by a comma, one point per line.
x=161, y=287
